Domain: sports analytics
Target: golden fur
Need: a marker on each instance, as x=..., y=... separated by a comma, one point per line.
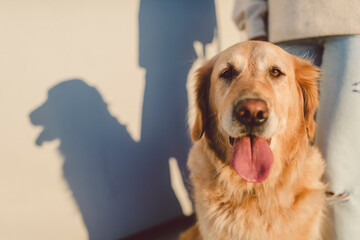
x=290, y=204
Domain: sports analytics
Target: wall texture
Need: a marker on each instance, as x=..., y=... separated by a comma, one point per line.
x=93, y=106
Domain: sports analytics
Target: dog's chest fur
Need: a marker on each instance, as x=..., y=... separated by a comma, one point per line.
x=228, y=208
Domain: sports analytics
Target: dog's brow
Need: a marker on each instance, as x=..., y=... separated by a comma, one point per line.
x=229, y=65
x=222, y=66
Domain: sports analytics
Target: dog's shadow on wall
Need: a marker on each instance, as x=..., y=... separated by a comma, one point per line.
x=100, y=162
x=120, y=185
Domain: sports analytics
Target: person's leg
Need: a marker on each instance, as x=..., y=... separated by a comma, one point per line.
x=311, y=50
x=338, y=129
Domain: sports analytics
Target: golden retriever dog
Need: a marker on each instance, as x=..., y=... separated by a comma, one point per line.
x=254, y=172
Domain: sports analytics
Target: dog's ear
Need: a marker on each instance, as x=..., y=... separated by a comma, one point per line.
x=308, y=76
x=201, y=90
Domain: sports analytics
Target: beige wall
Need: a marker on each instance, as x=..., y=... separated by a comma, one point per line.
x=43, y=43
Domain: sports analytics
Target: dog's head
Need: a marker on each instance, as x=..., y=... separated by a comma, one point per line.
x=253, y=102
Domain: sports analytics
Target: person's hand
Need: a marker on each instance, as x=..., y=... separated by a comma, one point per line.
x=260, y=38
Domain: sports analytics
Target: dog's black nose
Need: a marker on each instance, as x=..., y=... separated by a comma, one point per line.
x=251, y=112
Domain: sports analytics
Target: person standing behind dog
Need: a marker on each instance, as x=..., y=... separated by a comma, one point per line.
x=327, y=31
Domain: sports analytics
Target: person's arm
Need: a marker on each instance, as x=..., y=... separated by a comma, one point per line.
x=251, y=16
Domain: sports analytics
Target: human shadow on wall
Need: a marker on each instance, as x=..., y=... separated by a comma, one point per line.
x=167, y=31
x=122, y=186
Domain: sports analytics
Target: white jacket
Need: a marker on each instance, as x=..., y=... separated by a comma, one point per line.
x=297, y=19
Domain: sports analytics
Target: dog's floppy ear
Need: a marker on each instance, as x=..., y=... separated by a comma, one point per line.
x=307, y=75
x=201, y=90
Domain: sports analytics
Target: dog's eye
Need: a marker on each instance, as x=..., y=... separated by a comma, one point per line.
x=229, y=73
x=275, y=72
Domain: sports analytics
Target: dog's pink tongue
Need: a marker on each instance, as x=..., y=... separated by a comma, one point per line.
x=252, y=161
